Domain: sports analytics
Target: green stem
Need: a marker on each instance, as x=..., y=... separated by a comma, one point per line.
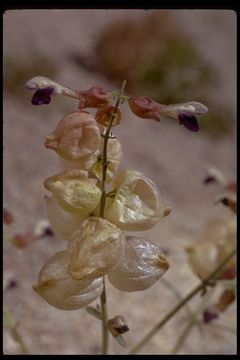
x=181, y=304
x=102, y=208
x=176, y=293
x=10, y=323
x=222, y=327
x=193, y=322
x=104, y=320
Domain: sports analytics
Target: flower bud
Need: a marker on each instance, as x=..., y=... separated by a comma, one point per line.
x=117, y=326
x=45, y=88
x=8, y=217
x=95, y=248
x=226, y=298
x=142, y=265
x=104, y=114
x=137, y=205
x=64, y=223
x=58, y=289
x=75, y=191
x=94, y=97
x=24, y=240
x=76, y=137
x=145, y=107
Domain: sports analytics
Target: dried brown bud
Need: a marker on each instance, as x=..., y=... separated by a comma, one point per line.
x=117, y=326
x=94, y=97
x=8, y=217
x=24, y=240
x=104, y=114
x=226, y=298
x=145, y=107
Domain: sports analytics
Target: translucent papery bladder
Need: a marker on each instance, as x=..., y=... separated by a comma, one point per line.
x=142, y=265
x=58, y=289
x=93, y=163
x=95, y=248
x=76, y=136
x=218, y=242
x=114, y=157
x=137, y=204
x=75, y=191
x=63, y=223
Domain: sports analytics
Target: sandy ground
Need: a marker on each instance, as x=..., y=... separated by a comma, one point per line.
x=174, y=158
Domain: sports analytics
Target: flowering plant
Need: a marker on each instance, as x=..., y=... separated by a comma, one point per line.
x=91, y=206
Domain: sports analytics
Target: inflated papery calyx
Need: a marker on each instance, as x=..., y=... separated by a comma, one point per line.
x=94, y=162
x=95, y=248
x=75, y=191
x=63, y=223
x=216, y=245
x=143, y=264
x=58, y=289
x=76, y=136
x=137, y=204
x=114, y=157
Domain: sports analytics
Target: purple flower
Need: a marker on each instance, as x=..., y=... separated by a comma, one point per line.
x=188, y=120
x=210, y=315
x=185, y=113
x=42, y=96
x=45, y=88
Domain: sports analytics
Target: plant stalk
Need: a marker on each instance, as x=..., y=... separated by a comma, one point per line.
x=180, y=305
x=103, y=297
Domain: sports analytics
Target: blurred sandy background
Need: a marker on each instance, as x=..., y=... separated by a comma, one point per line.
x=174, y=158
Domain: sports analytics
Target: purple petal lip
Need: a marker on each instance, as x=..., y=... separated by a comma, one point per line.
x=42, y=96
x=209, y=179
x=189, y=121
x=208, y=316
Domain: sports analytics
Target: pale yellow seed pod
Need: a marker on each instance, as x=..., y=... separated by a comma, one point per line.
x=75, y=191
x=85, y=163
x=58, y=289
x=76, y=136
x=137, y=204
x=143, y=264
x=63, y=223
x=218, y=241
x=114, y=157
x=95, y=248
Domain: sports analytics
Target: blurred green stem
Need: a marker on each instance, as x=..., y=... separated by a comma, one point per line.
x=11, y=324
x=193, y=322
x=180, y=305
x=102, y=208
